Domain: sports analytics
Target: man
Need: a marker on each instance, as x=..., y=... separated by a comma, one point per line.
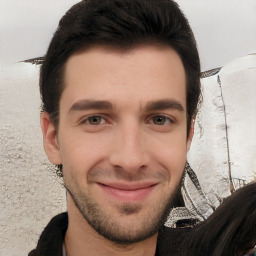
x=120, y=85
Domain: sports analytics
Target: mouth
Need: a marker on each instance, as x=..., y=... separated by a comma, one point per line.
x=128, y=192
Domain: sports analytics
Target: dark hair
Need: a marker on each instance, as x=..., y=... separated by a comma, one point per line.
x=120, y=24
x=230, y=230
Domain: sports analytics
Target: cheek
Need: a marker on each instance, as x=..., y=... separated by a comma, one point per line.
x=81, y=151
x=171, y=153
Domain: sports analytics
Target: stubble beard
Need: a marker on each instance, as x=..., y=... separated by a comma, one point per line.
x=119, y=233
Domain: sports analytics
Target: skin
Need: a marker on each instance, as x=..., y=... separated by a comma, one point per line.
x=122, y=141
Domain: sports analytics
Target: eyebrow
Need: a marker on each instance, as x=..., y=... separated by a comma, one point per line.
x=90, y=104
x=164, y=104
x=106, y=105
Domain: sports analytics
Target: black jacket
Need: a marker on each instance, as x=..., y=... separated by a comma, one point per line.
x=51, y=240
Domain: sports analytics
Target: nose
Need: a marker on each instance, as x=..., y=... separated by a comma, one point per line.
x=129, y=149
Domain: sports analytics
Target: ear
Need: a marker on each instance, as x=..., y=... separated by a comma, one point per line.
x=51, y=145
x=190, y=134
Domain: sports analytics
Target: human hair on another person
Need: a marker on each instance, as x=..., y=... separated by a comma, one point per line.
x=122, y=25
x=229, y=231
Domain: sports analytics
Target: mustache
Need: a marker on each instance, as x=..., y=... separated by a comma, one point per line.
x=119, y=174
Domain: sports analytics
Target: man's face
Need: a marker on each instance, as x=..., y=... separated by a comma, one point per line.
x=122, y=137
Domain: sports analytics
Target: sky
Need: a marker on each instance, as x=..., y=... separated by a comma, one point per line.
x=224, y=29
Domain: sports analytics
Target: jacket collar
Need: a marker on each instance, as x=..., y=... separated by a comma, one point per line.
x=51, y=240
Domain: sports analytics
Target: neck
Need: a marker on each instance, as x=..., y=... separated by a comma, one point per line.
x=81, y=239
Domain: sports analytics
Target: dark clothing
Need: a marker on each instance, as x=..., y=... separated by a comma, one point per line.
x=51, y=240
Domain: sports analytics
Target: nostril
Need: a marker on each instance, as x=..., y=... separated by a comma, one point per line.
x=128, y=152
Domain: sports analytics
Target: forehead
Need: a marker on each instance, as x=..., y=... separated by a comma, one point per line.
x=145, y=73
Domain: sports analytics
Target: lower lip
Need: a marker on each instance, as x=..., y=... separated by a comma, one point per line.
x=128, y=195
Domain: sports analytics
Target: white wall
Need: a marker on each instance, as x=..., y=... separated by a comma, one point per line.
x=30, y=191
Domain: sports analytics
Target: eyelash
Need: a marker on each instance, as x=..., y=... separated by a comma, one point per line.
x=87, y=119
x=150, y=119
x=170, y=120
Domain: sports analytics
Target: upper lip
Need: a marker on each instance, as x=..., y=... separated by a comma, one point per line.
x=129, y=186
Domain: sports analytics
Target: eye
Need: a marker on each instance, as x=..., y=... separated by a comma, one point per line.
x=94, y=120
x=160, y=120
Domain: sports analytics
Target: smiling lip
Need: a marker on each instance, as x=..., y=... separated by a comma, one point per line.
x=128, y=192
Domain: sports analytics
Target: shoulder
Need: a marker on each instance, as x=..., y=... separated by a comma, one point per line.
x=170, y=240
x=52, y=237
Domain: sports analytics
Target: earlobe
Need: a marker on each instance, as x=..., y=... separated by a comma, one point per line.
x=191, y=134
x=51, y=146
